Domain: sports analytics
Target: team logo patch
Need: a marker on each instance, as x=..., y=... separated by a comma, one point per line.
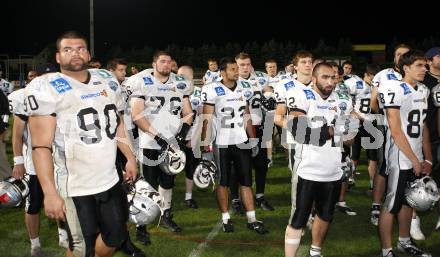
x=197, y=92
x=181, y=85
x=195, y=102
x=343, y=106
x=262, y=81
x=179, y=78
x=247, y=94
x=391, y=76
x=289, y=85
x=147, y=81
x=61, y=85
x=245, y=84
x=309, y=94
x=220, y=91
x=406, y=89
x=105, y=74
x=208, y=73
x=113, y=85
x=359, y=84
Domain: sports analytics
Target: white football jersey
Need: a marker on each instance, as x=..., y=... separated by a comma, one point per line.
x=257, y=80
x=382, y=76
x=197, y=107
x=6, y=86
x=18, y=108
x=413, y=105
x=85, y=137
x=360, y=91
x=318, y=163
x=229, y=111
x=163, y=104
x=211, y=76
x=285, y=85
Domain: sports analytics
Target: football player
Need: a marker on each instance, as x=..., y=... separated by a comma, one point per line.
x=228, y=101
x=158, y=101
x=407, y=148
x=75, y=124
x=5, y=86
x=212, y=74
x=319, y=119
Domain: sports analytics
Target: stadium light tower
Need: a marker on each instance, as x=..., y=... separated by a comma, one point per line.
x=92, y=31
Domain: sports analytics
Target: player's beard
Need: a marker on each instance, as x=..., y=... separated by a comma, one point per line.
x=164, y=73
x=75, y=66
x=323, y=90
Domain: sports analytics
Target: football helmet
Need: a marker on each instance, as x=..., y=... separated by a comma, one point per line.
x=173, y=161
x=347, y=168
x=13, y=191
x=422, y=194
x=144, y=202
x=204, y=174
x=268, y=102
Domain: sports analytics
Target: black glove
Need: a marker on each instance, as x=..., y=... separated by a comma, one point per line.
x=268, y=104
x=181, y=136
x=161, y=142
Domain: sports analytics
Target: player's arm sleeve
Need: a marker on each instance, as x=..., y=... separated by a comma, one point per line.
x=391, y=95
x=137, y=87
x=436, y=96
x=40, y=98
x=208, y=95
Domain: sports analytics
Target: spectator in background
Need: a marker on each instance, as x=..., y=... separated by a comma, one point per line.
x=347, y=66
x=95, y=63
x=174, y=66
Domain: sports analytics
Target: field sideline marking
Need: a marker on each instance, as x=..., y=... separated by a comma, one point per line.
x=202, y=245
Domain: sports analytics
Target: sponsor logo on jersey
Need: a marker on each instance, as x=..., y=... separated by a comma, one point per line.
x=195, y=102
x=93, y=95
x=234, y=99
x=289, y=84
x=323, y=107
x=61, y=85
x=208, y=73
x=309, y=94
x=391, y=76
x=113, y=85
x=148, y=81
x=220, y=91
x=343, y=106
x=105, y=74
x=406, y=89
x=181, y=85
x=333, y=108
x=95, y=83
x=419, y=100
x=359, y=84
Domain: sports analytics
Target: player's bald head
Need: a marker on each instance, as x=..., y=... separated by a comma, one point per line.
x=319, y=67
x=186, y=71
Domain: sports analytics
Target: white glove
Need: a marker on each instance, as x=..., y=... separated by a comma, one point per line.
x=346, y=125
x=254, y=146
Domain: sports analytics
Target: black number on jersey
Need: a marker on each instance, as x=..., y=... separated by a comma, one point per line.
x=161, y=100
x=392, y=97
x=414, y=123
x=381, y=98
x=230, y=115
x=365, y=105
x=204, y=97
x=11, y=108
x=175, y=108
x=96, y=125
x=32, y=102
x=256, y=100
x=291, y=102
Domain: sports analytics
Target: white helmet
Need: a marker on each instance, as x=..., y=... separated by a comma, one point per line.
x=347, y=168
x=174, y=161
x=204, y=173
x=144, y=203
x=422, y=194
x=13, y=191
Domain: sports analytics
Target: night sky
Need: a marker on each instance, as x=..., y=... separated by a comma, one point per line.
x=33, y=24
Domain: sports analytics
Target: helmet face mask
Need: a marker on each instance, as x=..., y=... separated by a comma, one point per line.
x=422, y=194
x=13, y=192
x=347, y=168
x=204, y=174
x=173, y=161
x=145, y=203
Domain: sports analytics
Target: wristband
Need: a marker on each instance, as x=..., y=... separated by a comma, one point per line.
x=18, y=160
x=430, y=163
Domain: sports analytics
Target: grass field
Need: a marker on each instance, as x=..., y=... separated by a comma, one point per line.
x=349, y=236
